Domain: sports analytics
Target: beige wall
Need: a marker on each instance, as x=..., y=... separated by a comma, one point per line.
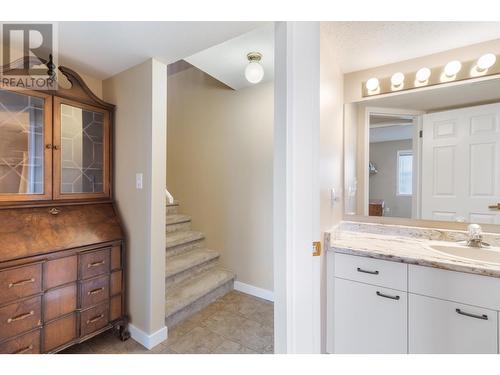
x=353, y=81
x=140, y=130
x=383, y=185
x=220, y=168
x=94, y=84
x=331, y=153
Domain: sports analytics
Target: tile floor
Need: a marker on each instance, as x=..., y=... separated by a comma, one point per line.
x=234, y=324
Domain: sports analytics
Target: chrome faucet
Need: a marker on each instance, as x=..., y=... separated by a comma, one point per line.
x=475, y=236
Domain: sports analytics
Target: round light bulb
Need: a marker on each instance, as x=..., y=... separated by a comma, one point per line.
x=372, y=84
x=423, y=74
x=486, y=61
x=254, y=72
x=397, y=79
x=452, y=68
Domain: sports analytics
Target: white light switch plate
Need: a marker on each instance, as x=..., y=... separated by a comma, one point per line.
x=138, y=181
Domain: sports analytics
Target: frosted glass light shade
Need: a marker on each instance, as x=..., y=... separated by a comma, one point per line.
x=397, y=79
x=452, y=68
x=372, y=84
x=423, y=74
x=254, y=72
x=486, y=61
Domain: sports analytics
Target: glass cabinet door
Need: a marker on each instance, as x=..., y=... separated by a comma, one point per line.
x=25, y=146
x=81, y=151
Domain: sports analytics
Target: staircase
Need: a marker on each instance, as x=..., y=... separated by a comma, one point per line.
x=193, y=279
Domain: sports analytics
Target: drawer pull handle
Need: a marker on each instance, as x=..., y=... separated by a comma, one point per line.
x=24, y=350
x=20, y=317
x=95, y=264
x=95, y=291
x=365, y=271
x=477, y=316
x=95, y=319
x=387, y=296
x=21, y=282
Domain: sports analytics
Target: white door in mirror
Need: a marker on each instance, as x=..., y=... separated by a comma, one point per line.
x=460, y=159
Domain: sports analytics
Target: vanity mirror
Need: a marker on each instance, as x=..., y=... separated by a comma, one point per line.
x=429, y=154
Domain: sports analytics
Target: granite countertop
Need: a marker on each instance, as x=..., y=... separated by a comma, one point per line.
x=408, y=245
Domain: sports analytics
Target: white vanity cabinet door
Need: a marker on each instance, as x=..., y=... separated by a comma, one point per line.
x=366, y=320
x=435, y=326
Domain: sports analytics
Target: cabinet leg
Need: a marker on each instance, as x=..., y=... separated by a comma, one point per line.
x=124, y=333
x=122, y=329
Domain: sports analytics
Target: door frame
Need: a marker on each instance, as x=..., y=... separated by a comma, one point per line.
x=296, y=193
x=417, y=150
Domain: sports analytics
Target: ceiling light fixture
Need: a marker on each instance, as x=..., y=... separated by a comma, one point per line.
x=397, y=79
x=254, y=72
x=372, y=84
x=486, y=61
x=423, y=75
x=452, y=68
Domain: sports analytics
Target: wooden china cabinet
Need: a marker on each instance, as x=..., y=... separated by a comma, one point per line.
x=62, y=271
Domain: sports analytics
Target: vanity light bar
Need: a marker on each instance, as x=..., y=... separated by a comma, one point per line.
x=486, y=65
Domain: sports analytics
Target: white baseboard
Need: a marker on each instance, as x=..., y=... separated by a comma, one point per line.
x=254, y=291
x=148, y=341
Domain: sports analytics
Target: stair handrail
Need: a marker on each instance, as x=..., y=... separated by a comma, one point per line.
x=170, y=197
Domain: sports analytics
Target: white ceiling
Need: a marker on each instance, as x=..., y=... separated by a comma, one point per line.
x=363, y=45
x=391, y=133
x=227, y=61
x=103, y=49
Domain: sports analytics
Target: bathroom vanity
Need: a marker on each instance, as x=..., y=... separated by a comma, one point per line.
x=395, y=289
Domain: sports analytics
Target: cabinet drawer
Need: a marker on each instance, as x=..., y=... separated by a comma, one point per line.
x=28, y=343
x=94, y=263
x=116, y=282
x=115, y=311
x=437, y=326
x=455, y=286
x=20, y=282
x=371, y=271
x=20, y=317
x=60, y=271
x=59, y=302
x=59, y=332
x=94, y=319
x=369, y=319
x=116, y=258
x=94, y=291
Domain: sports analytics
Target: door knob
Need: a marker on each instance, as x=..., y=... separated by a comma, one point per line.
x=495, y=206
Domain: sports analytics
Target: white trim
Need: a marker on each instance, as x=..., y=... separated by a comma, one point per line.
x=254, y=291
x=296, y=195
x=148, y=341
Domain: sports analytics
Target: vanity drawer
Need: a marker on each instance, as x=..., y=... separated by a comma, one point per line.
x=371, y=271
x=94, y=291
x=20, y=282
x=94, y=319
x=28, y=343
x=94, y=263
x=455, y=286
x=20, y=317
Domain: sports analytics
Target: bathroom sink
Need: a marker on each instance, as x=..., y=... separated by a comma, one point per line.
x=481, y=254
